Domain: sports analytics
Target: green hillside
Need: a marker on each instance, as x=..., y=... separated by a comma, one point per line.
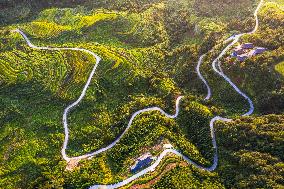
x=149, y=51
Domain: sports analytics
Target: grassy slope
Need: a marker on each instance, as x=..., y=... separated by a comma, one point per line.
x=142, y=66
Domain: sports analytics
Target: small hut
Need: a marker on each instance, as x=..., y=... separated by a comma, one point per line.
x=242, y=57
x=143, y=161
x=259, y=50
x=247, y=46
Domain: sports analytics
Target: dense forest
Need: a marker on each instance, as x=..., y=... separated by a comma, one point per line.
x=149, y=51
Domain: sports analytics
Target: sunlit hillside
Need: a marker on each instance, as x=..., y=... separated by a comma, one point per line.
x=212, y=70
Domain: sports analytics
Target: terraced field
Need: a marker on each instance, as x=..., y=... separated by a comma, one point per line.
x=149, y=52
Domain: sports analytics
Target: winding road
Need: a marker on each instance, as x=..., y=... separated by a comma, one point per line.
x=209, y=94
x=178, y=100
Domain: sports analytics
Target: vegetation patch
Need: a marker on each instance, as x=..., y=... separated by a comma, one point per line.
x=280, y=68
x=149, y=51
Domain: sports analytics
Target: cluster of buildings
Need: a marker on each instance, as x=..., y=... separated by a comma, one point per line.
x=142, y=162
x=146, y=160
x=246, y=50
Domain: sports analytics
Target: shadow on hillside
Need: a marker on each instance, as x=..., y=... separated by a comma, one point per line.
x=19, y=11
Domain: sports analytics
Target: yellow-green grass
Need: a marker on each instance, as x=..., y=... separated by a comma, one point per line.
x=280, y=68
